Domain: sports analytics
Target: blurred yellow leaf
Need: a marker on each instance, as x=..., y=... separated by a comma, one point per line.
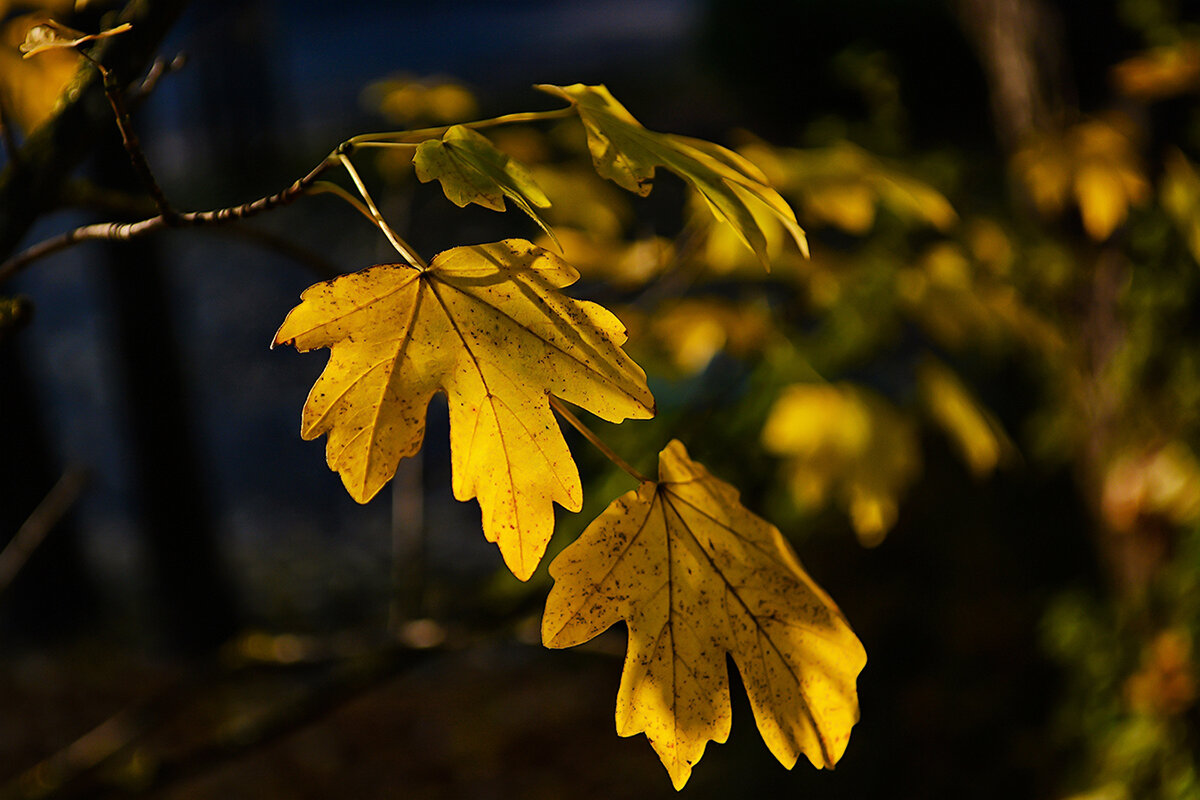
x=990, y=245
x=957, y=304
x=472, y=170
x=693, y=331
x=628, y=154
x=488, y=326
x=1179, y=194
x=979, y=438
x=1161, y=482
x=1095, y=163
x=1159, y=73
x=30, y=88
x=624, y=265
x=583, y=202
x=840, y=439
x=843, y=185
x=696, y=576
x=405, y=100
x=1166, y=683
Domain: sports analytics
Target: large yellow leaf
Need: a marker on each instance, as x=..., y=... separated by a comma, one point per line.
x=628, y=154
x=695, y=575
x=472, y=170
x=487, y=326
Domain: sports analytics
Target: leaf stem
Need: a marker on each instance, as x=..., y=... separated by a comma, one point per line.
x=412, y=137
x=402, y=247
x=588, y=434
x=329, y=187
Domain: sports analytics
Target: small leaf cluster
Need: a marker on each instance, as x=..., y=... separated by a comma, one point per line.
x=692, y=572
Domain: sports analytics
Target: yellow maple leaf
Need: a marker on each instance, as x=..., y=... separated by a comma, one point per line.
x=628, y=154
x=695, y=575
x=472, y=170
x=487, y=326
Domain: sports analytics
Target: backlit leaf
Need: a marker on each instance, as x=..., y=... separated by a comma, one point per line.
x=628, y=154
x=486, y=325
x=695, y=575
x=472, y=170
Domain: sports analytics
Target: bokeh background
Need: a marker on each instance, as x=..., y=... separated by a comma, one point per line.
x=974, y=411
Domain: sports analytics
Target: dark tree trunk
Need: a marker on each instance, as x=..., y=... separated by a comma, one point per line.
x=193, y=595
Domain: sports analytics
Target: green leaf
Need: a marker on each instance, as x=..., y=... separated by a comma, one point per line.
x=472, y=170
x=628, y=154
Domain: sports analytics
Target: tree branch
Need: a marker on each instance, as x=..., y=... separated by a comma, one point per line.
x=31, y=183
x=124, y=231
x=41, y=522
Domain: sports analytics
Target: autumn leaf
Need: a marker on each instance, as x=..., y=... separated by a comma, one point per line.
x=695, y=576
x=628, y=154
x=487, y=326
x=472, y=170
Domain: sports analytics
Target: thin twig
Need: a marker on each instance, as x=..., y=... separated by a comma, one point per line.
x=566, y=414
x=133, y=147
x=329, y=187
x=158, y=70
x=54, y=506
x=124, y=231
x=410, y=137
x=402, y=247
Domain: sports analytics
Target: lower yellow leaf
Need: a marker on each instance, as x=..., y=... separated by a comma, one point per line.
x=695, y=575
